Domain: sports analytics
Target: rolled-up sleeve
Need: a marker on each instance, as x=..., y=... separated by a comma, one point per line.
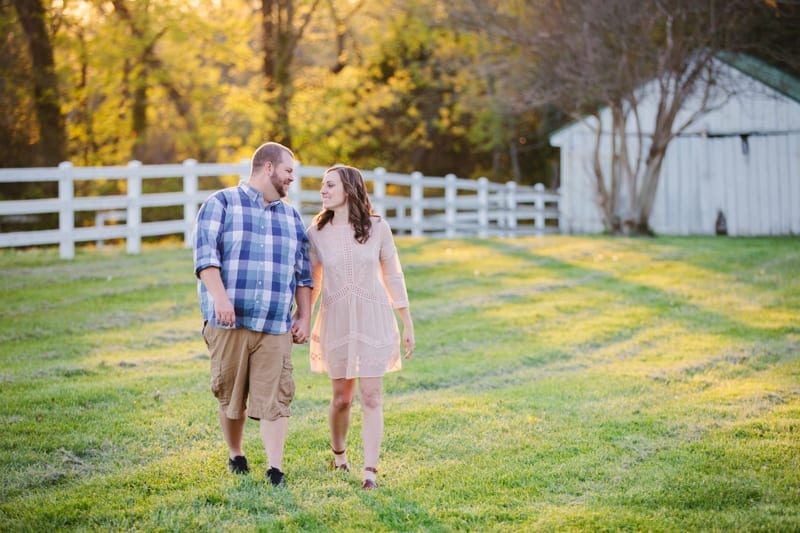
x=208, y=230
x=391, y=270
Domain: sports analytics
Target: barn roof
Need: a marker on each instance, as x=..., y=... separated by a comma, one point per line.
x=772, y=77
x=776, y=79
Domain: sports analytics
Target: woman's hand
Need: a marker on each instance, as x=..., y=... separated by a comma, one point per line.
x=408, y=338
x=408, y=331
x=408, y=343
x=300, y=329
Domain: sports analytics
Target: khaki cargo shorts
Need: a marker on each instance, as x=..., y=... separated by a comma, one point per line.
x=251, y=367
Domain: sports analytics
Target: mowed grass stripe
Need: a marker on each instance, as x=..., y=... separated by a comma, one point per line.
x=560, y=383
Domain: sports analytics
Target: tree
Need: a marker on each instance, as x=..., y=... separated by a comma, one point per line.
x=148, y=66
x=367, y=82
x=407, y=98
x=159, y=81
x=17, y=121
x=283, y=23
x=51, y=143
x=599, y=59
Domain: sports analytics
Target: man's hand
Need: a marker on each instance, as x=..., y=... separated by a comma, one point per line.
x=300, y=329
x=224, y=313
x=301, y=320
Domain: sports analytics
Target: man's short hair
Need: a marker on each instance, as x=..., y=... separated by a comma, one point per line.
x=272, y=152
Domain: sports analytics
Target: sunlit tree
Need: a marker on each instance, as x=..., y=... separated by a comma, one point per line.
x=588, y=56
x=51, y=138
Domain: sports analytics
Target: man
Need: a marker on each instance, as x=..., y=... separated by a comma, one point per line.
x=251, y=258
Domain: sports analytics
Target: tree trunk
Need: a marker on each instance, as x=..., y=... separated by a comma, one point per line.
x=278, y=49
x=150, y=62
x=281, y=33
x=139, y=114
x=617, y=137
x=647, y=194
x=52, y=143
x=282, y=127
x=513, y=154
x=669, y=105
x=84, y=117
x=604, y=200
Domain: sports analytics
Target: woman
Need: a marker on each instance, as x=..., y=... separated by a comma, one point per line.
x=355, y=336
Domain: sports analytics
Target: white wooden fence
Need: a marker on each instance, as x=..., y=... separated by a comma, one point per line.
x=413, y=204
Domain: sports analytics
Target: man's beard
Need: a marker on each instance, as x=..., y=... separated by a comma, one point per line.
x=278, y=184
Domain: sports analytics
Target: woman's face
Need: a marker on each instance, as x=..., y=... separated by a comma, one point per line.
x=332, y=191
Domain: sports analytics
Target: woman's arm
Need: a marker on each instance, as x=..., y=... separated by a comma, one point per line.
x=408, y=330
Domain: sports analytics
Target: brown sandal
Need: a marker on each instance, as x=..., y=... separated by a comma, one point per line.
x=343, y=467
x=369, y=484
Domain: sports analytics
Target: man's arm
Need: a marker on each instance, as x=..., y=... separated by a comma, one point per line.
x=301, y=321
x=223, y=308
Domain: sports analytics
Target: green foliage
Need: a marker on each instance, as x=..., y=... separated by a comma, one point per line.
x=417, y=101
x=559, y=383
x=192, y=71
x=165, y=81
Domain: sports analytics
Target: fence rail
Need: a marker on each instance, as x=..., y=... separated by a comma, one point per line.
x=412, y=203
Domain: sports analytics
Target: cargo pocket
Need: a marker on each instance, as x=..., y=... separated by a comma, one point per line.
x=216, y=364
x=287, y=385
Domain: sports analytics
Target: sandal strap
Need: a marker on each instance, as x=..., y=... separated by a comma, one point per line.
x=344, y=466
x=371, y=469
x=336, y=452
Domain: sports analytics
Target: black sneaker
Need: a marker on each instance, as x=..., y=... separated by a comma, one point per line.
x=276, y=477
x=238, y=465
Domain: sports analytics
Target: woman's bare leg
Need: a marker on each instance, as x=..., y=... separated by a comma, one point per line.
x=339, y=416
x=371, y=392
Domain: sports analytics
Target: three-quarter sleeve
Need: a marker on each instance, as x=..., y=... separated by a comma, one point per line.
x=391, y=270
x=316, y=269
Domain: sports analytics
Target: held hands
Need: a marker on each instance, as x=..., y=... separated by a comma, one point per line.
x=300, y=329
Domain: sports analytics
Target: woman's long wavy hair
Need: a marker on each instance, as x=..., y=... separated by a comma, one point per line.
x=358, y=203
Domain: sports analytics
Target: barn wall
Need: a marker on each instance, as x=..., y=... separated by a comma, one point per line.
x=756, y=185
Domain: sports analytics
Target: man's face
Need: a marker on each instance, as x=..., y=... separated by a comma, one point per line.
x=281, y=176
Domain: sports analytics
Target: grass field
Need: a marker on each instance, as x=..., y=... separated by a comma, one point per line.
x=559, y=384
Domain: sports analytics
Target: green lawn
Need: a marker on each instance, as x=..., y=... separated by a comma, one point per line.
x=559, y=384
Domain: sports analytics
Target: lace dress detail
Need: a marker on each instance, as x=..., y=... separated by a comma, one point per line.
x=355, y=333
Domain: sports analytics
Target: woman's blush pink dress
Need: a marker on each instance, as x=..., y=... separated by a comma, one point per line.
x=355, y=334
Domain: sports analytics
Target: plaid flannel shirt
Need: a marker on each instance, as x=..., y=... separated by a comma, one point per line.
x=261, y=251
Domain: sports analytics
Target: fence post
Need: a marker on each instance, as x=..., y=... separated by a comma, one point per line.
x=66, y=216
x=134, y=218
x=416, y=204
x=539, y=204
x=560, y=214
x=244, y=175
x=450, y=195
x=483, y=207
x=400, y=216
x=511, y=207
x=293, y=193
x=379, y=191
x=99, y=222
x=190, y=204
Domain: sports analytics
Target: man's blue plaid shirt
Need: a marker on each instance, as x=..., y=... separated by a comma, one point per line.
x=261, y=251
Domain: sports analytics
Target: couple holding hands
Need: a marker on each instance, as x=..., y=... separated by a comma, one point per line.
x=260, y=272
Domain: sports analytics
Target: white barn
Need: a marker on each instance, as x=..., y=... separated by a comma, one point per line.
x=742, y=159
